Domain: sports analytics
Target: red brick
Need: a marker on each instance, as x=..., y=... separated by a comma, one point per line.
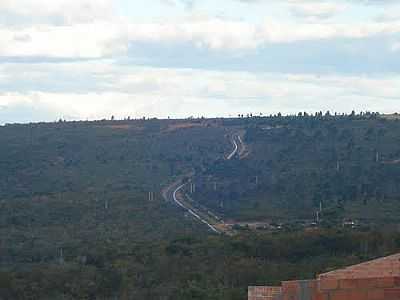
x=392, y=294
x=313, y=284
x=378, y=294
x=367, y=283
x=319, y=296
x=375, y=280
x=337, y=295
x=383, y=267
x=264, y=293
x=290, y=287
x=386, y=282
x=328, y=284
x=396, y=281
x=358, y=295
x=348, y=295
x=348, y=284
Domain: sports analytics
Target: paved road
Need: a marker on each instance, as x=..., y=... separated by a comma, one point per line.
x=239, y=147
x=235, y=149
x=190, y=211
x=170, y=192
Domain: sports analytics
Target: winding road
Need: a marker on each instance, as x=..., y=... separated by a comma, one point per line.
x=239, y=147
x=190, y=211
x=170, y=193
x=235, y=149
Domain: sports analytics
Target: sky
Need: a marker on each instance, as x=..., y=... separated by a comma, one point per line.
x=91, y=59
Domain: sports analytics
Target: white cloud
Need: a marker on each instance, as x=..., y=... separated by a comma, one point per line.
x=187, y=4
x=57, y=11
x=138, y=91
x=390, y=15
x=219, y=34
x=91, y=29
x=316, y=10
x=60, y=28
x=78, y=41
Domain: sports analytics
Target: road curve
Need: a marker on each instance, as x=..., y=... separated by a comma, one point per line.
x=235, y=149
x=170, y=192
x=191, y=211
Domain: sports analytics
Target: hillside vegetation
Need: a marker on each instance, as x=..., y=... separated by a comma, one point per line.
x=67, y=185
x=347, y=165
x=77, y=220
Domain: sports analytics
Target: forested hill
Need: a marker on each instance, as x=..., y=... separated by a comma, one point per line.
x=71, y=186
x=347, y=165
x=292, y=166
x=83, y=216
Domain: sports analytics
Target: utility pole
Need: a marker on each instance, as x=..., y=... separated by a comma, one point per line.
x=215, y=186
x=337, y=166
x=151, y=196
x=377, y=156
x=192, y=188
x=106, y=204
x=61, y=256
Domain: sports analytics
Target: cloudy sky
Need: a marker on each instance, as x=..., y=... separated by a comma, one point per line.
x=90, y=59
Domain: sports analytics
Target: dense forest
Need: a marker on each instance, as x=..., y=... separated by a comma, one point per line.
x=82, y=212
x=347, y=165
x=189, y=267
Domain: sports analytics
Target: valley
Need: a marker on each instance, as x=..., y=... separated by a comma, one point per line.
x=192, y=209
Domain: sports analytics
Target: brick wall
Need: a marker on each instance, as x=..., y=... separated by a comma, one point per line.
x=383, y=267
x=387, y=288
x=300, y=290
x=384, y=288
x=264, y=293
x=375, y=280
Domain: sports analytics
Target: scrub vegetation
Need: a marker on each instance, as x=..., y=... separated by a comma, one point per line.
x=77, y=221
